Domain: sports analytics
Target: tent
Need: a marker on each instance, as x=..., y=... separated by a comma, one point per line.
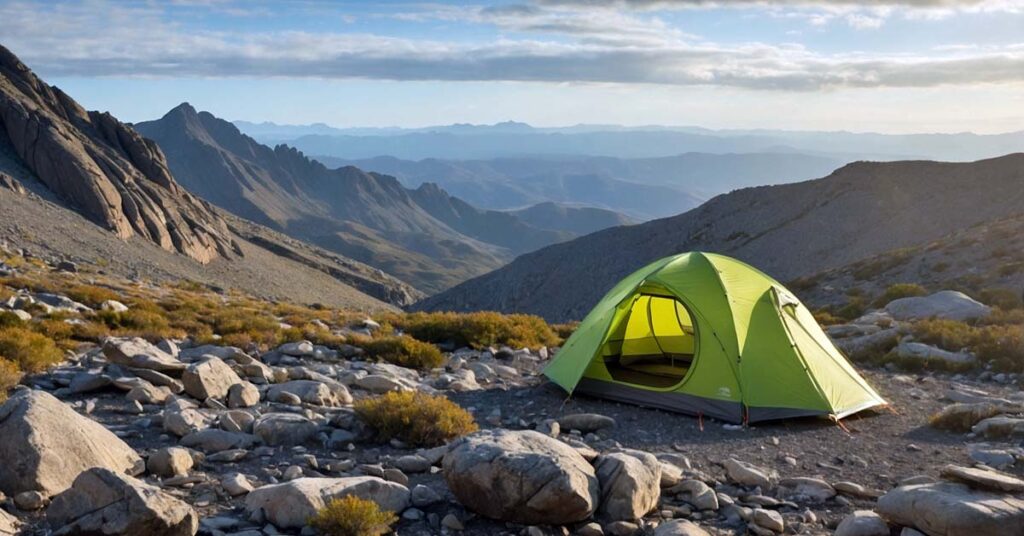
x=708, y=335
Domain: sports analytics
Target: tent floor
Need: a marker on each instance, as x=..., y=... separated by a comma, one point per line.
x=659, y=372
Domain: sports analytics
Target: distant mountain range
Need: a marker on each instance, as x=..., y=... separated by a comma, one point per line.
x=511, y=139
x=423, y=236
x=644, y=188
x=788, y=231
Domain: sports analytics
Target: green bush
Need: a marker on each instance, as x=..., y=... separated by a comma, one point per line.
x=477, y=330
x=900, y=290
x=416, y=419
x=31, y=351
x=402, y=351
x=352, y=516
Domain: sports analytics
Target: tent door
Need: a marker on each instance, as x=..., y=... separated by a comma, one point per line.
x=654, y=345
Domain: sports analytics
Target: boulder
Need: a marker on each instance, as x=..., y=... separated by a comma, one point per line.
x=862, y=523
x=8, y=524
x=236, y=484
x=521, y=476
x=314, y=392
x=291, y=504
x=950, y=509
x=209, y=378
x=983, y=478
x=136, y=352
x=212, y=440
x=748, y=474
x=697, y=493
x=924, y=352
x=243, y=395
x=380, y=383
x=170, y=461
x=182, y=422
x=769, y=519
x=630, y=484
x=812, y=490
x=103, y=502
x=284, y=429
x=586, y=422
x=680, y=527
x=45, y=445
x=875, y=343
x=999, y=427
x=947, y=304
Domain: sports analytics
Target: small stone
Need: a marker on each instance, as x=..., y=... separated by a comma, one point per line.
x=769, y=519
x=236, y=484
x=452, y=522
x=29, y=500
x=862, y=523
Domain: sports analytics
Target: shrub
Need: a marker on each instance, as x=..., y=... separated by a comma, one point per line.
x=1001, y=346
x=90, y=295
x=961, y=417
x=9, y=319
x=403, y=351
x=826, y=318
x=855, y=307
x=415, y=418
x=477, y=330
x=871, y=269
x=31, y=351
x=564, y=331
x=141, y=322
x=10, y=375
x=352, y=516
x=949, y=334
x=900, y=290
x=1002, y=298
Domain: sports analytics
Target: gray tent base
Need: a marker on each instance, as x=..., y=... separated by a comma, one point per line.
x=731, y=412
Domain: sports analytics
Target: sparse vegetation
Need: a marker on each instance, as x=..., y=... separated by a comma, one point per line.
x=477, y=330
x=10, y=375
x=961, y=417
x=31, y=351
x=999, y=341
x=352, y=516
x=404, y=351
x=415, y=418
x=899, y=290
x=1002, y=298
x=871, y=269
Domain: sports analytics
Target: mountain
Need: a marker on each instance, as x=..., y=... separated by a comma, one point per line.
x=81, y=185
x=105, y=169
x=423, y=236
x=644, y=188
x=511, y=139
x=788, y=231
x=576, y=220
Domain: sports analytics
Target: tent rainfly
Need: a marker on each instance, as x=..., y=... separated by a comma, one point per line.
x=708, y=335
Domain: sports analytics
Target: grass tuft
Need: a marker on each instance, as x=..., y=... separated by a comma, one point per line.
x=352, y=516
x=416, y=419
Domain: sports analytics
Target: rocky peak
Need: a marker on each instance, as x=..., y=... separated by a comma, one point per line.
x=104, y=168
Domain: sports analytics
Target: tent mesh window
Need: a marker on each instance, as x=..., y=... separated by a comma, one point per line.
x=653, y=345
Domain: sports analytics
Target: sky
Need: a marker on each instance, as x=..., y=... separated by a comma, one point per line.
x=872, y=65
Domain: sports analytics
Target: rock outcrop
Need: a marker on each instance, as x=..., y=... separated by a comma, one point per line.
x=104, y=502
x=525, y=476
x=105, y=169
x=45, y=445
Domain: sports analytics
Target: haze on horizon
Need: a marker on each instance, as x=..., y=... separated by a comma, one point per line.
x=891, y=66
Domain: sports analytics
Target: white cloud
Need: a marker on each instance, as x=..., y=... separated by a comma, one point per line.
x=128, y=40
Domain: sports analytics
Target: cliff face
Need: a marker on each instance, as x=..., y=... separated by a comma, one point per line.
x=105, y=169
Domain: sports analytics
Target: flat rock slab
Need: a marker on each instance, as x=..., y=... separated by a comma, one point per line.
x=983, y=478
x=950, y=509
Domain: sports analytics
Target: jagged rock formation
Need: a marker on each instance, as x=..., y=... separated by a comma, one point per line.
x=108, y=171
x=788, y=231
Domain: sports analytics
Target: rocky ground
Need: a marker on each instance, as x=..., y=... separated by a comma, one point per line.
x=222, y=441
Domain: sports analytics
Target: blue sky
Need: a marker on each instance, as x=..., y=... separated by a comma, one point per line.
x=881, y=65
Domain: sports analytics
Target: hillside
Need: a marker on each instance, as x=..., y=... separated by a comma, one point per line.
x=788, y=231
x=84, y=187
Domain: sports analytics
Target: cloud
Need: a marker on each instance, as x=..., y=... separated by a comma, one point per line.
x=138, y=41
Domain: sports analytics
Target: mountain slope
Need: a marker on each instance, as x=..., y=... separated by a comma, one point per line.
x=788, y=231
x=576, y=220
x=85, y=187
x=367, y=216
x=109, y=173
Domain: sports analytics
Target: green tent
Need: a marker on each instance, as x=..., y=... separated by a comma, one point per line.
x=708, y=335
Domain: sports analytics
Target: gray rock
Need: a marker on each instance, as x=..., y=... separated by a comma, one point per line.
x=630, y=484
x=679, y=527
x=185, y=421
x=291, y=504
x=29, y=500
x=380, y=383
x=236, y=484
x=170, y=461
x=212, y=440
x=813, y=490
x=412, y=463
x=983, y=478
x=424, y=496
x=52, y=445
x=697, y=493
x=138, y=353
x=243, y=395
x=314, y=392
x=924, y=352
x=947, y=304
x=586, y=422
x=104, y=502
x=769, y=519
x=950, y=509
x=862, y=523
x=521, y=476
x=999, y=427
x=284, y=429
x=748, y=474
x=209, y=378
x=9, y=525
